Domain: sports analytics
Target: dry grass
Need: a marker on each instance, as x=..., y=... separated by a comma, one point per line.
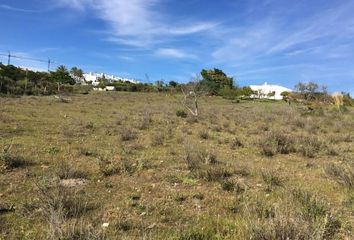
x=247, y=170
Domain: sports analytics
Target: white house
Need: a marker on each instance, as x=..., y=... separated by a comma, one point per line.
x=95, y=77
x=265, y=89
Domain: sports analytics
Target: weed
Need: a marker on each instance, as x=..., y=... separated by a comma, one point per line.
x=343, y=175
x=276, y=142
x=157, y=139
x=127, y=134
x=272, y=179
x=309, y=146
x=10, y=160
x=204, y=134
x=228, y=186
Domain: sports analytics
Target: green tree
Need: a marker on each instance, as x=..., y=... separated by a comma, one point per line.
x=77, y=73
x=172, y=84
x=62, y=76
x=271, y=94
x=215, y=79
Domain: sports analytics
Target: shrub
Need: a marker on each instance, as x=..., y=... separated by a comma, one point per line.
x=144, y=121
x=215, y=173
x=236, y=143
x=67, y=171
x=343, y=175
x=309, y=146
x=110, y=165
x=204, y=134
x=60, y=204
x=181, y=113
x=10, y=160
x=275, y=142
x=127, y=134
x=313, y=208
x=272, y=179
x=205, y=165
x=157, y=139
x=228, y=186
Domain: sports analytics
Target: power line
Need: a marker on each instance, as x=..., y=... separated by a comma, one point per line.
x=9, y=56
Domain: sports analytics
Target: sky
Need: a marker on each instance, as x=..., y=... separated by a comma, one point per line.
x=255, y=41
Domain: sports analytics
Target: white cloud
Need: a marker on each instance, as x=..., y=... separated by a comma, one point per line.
x=10, y=8
x=137, y=22
x=173, y=53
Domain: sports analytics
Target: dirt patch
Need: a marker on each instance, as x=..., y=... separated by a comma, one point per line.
x=73, y=182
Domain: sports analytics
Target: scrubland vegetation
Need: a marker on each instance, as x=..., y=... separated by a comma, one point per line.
x=138, y=166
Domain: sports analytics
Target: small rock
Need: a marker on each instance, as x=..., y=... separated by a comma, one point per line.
x=105, y=225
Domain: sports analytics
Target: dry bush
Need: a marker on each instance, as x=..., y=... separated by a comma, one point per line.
x=313, y=208
x=65, y=170
x=127, y=134
x=59, y=204
x=204, y=134
x=144, y=121
x=276, y=142
x=10, y=159
x=236, y=143
x=272, y=179
x=310, y=146
x=114, y=164
x=157, y=139
x=204, y=165
x=344, y=175
x=305, y=218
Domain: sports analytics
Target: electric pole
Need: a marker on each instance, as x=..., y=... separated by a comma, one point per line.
x=8, y=59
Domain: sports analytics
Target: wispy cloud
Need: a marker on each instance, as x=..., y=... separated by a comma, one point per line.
x=11, y=8
x=137, y=22
x=274, y=35
x=173, y=53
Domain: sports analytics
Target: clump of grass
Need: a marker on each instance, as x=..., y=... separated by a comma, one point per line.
x=272, y=179
x=228, y=186
x=236, y=143
x=344, y=175
x=12, y=160
x=313, y=208
x=67, y=171
x=205, y=165
x=180, y=198
x=310, y=146
x=144, y=121
x=157, y=139
x=204, y=134
x=60, y=204
x=276, y=142
x=127, y=134
x=111, y=165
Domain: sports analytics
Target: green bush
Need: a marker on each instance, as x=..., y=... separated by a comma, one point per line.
x=181, y=113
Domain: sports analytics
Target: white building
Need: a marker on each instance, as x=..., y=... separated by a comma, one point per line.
x=94, y=78
x=263, y=91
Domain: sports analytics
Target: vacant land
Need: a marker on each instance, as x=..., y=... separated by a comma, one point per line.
x=124, y=166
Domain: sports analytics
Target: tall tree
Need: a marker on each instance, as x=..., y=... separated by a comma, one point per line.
x=215, y=79
x=62, y=76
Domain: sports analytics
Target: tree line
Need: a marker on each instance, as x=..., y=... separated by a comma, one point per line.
x=19, y=81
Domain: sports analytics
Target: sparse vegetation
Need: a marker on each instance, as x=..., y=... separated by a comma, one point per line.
x=251, y=170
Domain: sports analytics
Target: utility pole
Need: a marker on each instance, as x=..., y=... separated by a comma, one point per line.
x=9, y=57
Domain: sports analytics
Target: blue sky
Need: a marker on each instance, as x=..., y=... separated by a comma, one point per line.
x=278, y=41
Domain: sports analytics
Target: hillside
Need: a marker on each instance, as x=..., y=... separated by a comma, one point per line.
x=124, y=166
